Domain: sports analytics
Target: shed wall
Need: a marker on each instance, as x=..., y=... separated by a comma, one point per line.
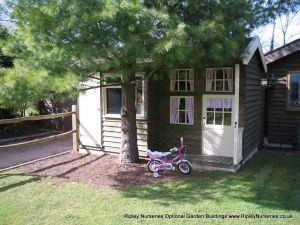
x=252, y=102
x=281, y=122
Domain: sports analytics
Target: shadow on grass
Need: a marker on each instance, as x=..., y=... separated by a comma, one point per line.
x=31, y=179
x=269, y=180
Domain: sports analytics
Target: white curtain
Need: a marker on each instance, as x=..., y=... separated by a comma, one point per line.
x=210, y=77
x=191, y=79
x=174, y=110
x=173, y=80
x=229, y=77
x=189, y=106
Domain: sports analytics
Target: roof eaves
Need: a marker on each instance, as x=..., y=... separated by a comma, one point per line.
x=283, y=51
x=251, y=48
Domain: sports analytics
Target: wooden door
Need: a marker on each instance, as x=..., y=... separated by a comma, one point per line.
x=218, y=125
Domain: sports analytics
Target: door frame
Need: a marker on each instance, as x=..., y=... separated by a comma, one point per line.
x=97, y=140
x=204, y=119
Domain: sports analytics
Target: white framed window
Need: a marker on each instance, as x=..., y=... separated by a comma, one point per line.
x=219, y=79
x=219, y=111
x=112, y=99
x=294, y=91
x=182, y=80
x=182, y=110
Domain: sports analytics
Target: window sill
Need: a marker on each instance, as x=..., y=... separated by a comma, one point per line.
x=116, y=116
x=293, y=109
x=182, y=91
x=220, y=92
x=181, y=124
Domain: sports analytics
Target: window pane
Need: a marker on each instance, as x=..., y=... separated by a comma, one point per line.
x=188, y=86
x=227, y=119
x=219, y=85
x=219, y=74
x=226, y=85
x=182, y=85
x=114, y=100
x=139, y=98
x=220, y=80
x=181, y=116
x=210, y=118
x=182, y=75
x=187, y=118
x=182, y=104
x=219, y=104
x=188, y=75
x=210, y=85
x=176, y=86
x=294, y=90
x=218, y=118
x=227, y=105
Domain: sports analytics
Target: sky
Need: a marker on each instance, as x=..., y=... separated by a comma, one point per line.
x=265, y=33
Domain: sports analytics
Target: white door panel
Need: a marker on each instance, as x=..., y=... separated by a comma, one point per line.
x=218, y=127
x=89, y=118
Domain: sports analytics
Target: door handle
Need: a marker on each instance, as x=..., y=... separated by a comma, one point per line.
x=204, y=124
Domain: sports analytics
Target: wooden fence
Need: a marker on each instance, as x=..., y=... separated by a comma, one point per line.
x=73, y=132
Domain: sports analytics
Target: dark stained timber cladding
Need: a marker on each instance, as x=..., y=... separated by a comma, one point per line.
x=170, y=133
x=253, y=93
x=281, y=122
x=153, y=113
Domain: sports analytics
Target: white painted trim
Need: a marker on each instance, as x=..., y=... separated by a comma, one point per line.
x=215, y=91
x=249, y=156
x=253, y=45
x=217, y=127
x=118, y=116
x=193, y=81
x=189, y=124
x=204, y=104
x=236, y=115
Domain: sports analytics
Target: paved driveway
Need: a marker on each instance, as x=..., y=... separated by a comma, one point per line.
x=21, y=155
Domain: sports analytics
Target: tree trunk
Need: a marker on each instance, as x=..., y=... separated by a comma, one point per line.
x=129, y=150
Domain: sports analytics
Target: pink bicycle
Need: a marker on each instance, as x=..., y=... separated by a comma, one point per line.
x=160, y=161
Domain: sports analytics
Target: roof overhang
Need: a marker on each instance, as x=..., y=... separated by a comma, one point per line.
x=283, y=51
x=250, y=50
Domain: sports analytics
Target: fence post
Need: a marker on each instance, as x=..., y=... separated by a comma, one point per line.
x=75, y=128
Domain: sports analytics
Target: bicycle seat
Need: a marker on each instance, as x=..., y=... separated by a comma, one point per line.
x=157, y=153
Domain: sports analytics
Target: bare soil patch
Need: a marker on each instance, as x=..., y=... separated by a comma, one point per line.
x=105, y=170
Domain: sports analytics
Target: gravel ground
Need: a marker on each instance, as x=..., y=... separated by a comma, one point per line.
x=104, y=170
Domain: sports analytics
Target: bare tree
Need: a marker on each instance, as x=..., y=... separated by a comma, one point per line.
x=285, y=22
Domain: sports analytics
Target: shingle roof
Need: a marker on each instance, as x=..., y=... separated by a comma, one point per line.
x=283, y=51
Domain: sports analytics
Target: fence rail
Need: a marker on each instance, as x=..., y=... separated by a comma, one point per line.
x=33, y=118
x=74, y=130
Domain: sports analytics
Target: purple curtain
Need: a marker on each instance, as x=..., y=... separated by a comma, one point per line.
x=227, y=103
x=174, y=110
x=189, y=106
x=211, y=103
x=219, y=103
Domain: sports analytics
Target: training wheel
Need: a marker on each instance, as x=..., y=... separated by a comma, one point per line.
x=155, y=174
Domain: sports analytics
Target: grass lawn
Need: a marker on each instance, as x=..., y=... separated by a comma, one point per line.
x=268, y=184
